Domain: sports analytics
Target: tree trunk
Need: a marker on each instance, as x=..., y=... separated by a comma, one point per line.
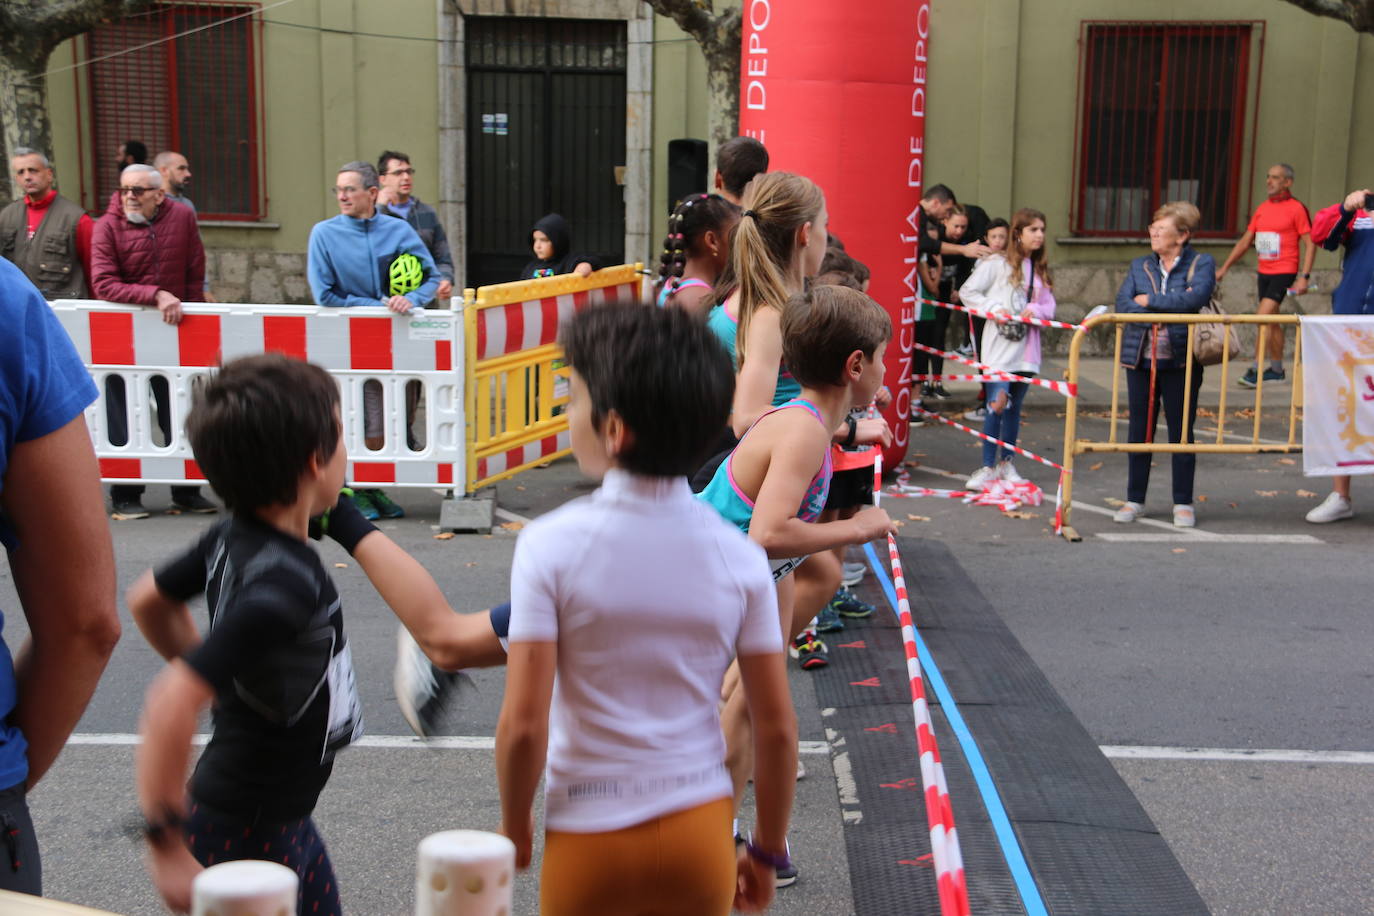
x=23, y=103
x=1358, y=14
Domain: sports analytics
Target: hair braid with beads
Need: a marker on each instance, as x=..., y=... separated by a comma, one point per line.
x=694, y=216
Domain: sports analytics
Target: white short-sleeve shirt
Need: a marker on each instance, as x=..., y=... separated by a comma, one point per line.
x=649, y=595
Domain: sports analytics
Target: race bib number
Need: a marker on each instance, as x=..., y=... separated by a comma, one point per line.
x=1267, y=246
x=345, y=709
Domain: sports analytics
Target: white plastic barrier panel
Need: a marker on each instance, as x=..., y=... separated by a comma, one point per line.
x=146, y=371
x=247, y=887
x=464, y=873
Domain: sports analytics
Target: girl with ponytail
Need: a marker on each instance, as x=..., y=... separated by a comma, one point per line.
x=695, y=252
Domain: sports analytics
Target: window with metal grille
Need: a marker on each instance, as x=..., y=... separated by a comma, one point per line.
x=1163, y=117
x=183, y=77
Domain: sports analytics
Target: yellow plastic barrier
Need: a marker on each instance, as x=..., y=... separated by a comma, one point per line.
x=516, y=383
x=1253, y=445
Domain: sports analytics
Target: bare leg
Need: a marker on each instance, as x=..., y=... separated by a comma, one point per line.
x=1272, y=334
x=817, y=580
x=734, y=716
x=1341, y=484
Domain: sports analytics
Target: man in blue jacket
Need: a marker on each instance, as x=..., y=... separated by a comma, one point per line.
x=361, y=257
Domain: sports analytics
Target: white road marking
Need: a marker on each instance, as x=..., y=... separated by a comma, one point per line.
x=1211, y=538
x=1269, y=755
x=510, y=516
x=447, y=743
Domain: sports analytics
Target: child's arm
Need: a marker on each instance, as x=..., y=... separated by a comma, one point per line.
x=451, y=640
x=758, y=372
x=798, y=449
x=171, y=709
x=775, y=764
x=522, y=739
x=165, y=622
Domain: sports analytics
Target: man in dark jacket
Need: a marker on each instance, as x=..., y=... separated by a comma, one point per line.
x=146, y=251
x=46, y=235
x=397, y=177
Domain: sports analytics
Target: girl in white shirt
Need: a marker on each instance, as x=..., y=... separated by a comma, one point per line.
x=1016, y=284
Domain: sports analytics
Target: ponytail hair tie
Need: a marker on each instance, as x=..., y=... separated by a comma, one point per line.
x=749, y=213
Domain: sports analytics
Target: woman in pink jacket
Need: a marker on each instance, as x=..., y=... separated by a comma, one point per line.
x=1012, y=285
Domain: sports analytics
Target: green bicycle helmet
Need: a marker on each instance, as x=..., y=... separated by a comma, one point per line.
x=405, y=274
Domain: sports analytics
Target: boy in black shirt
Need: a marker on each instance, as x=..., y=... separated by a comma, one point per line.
x=275, y=662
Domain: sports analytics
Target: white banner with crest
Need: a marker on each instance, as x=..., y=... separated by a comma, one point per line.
x=1338, y=395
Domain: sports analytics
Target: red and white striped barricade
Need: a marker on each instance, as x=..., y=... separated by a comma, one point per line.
x=422, y=351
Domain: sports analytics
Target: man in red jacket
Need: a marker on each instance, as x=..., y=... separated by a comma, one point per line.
x=146, y=251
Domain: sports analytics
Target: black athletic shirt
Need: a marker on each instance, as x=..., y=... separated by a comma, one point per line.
x=275, y=654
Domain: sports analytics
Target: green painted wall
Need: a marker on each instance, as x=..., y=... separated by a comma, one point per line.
x=327, y=99
x=1004, y=94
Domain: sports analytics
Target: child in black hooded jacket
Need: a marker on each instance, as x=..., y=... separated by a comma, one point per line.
x=553, y=255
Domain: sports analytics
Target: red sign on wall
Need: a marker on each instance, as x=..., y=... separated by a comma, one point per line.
x=837, y=92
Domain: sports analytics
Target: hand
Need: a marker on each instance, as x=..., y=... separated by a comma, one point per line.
x=1028, y=313
x=384, y=196
x=954, y=297
x=1221, y=272
x=1142, y=300
x=755, y=885
x=999, y=316
x=871, y=523
x=445, y=289
x=1300, y=285
x=873, y=432
x=883, y=397
x=173, y=868
x=400, y=305
x=583, y=270
x=975, y=250
x=169, y=306
x=1354, y=201
x=523, y=838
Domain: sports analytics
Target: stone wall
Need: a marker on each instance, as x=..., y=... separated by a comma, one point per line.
x=267, y=277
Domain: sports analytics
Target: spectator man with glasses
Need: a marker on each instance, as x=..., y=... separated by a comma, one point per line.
x=361, y=258
x=146, y=251
x=397, y=177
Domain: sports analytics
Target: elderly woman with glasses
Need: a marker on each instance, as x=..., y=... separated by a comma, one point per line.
x=1172, y=278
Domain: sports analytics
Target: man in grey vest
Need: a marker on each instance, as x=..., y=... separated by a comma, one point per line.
x=46, y=235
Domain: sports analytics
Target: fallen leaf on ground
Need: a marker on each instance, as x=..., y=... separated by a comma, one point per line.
x=1180, y=550
x=1204, y=412
x=444, y=536
x=1113, y=501
x=1266, y=493
x=1096, y=467
x=470, y=565
x=519, y=488
x=1202, y=498
x=173, y=512
x=341, y=566
x=1014, y=514
x=1232, y=505
x=1306, y=494
x=898, y=523
x=512, y=526
x=1287, y=461
x=1246, y=414
x=919, y=518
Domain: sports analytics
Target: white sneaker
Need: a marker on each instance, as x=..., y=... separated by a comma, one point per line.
x=1007, y=471
x=977, y=413
x=1184, y=517
x=1128, y=512
x=981, y=479
x=1332, y=509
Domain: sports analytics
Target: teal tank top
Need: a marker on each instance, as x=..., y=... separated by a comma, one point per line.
x=725, y=496
x=726, y=329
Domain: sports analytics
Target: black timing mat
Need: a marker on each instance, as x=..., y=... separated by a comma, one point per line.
x=1089, y=844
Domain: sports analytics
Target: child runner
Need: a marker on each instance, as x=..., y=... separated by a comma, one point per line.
x=275, y=662
x=695, y=252
x=774, y=484
x=779, y=242
x=637, y=798
x=1016, y=284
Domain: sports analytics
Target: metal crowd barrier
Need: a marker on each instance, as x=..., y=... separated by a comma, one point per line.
x=1224, y=442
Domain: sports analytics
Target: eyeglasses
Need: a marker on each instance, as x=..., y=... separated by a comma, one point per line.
x=135, y=193
x=347, y=189
x=405, y=171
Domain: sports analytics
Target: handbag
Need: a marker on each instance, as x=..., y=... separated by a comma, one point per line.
x=1015, y=330
x=1213, y=341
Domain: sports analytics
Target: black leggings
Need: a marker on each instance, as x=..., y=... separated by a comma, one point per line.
x=932, y=333
x=1169, y=392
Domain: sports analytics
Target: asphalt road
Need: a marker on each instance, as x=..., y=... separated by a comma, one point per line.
x=1185, y=641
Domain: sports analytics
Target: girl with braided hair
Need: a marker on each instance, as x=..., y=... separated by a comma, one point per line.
x=695, y=252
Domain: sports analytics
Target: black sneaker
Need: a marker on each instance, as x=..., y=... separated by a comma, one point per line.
x=196, y=503
x=810, y=652
x=126, y=510
x=423, y=691
x=940, y=394
x=847, y=604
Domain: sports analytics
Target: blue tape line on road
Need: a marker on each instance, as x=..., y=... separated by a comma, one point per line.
x=992, y=800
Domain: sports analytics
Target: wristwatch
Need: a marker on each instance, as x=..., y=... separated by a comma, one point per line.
x=1307, y=276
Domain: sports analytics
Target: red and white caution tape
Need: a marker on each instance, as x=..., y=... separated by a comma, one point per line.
x=1038, y=322
x=944, y=838
x=994, y=375
x=931, y=415
x=1007, y=495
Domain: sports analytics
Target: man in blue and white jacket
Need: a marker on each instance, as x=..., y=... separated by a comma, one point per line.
x=349, y=264
x=1348, y=223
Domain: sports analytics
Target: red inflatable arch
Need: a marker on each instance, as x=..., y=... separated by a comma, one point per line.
x=837, y=92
